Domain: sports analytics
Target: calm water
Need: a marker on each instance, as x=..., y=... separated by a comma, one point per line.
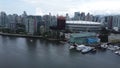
x=16, y=52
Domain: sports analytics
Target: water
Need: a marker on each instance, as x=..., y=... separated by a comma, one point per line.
x=16, y=52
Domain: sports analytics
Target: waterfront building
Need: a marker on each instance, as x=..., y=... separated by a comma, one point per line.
x=34, y=24
x=47, y=22
x=78, y=26
x=0, y=23
x=53, y=21
x=12, y=21
x=31, y=25
x=84, y=38
x=61, y=21
x=12, y=27
x=24, y=18
x=3, y=20
x=39, y=23
x=19, y=19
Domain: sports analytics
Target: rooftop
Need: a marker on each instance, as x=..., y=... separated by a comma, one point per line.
x=83, y=34
x=82, y=22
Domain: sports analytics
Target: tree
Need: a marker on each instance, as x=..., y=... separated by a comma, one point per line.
x=104, y=35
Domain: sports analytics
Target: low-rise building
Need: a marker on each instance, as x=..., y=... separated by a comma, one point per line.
x=84, y=38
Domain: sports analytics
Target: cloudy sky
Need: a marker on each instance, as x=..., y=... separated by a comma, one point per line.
x=61, y=7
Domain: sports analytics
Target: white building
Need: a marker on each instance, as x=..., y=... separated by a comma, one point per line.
x=77, y=26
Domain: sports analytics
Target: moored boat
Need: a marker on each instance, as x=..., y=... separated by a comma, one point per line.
x=117, y=52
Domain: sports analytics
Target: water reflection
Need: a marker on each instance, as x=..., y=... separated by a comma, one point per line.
x=31, y=43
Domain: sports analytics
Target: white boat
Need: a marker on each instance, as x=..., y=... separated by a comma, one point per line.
x=117, y=47
x=87, y=49
x=80, y=47
x=111, y=47
x=104, y=45
x=117, y=52
x=71, y=47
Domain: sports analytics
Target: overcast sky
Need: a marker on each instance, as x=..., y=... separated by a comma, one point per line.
x=61, y=7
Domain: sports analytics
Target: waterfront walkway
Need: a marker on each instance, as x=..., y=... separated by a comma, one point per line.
x=20, y=35
x=28, y=36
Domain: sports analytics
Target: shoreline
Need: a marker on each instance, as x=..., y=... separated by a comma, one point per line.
x=28, y=36
x=20, y=35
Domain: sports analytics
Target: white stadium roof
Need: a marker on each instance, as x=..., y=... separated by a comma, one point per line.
x=82, y=22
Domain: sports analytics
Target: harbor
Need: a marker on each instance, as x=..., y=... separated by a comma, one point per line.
x=47, y=34
x=86, y=42
x=16, y=52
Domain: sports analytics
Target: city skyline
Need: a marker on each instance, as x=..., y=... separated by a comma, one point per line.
x=42, y=7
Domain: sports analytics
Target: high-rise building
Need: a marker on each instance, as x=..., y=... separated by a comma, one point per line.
x=39, y=23
x=61, y=22
x=116, y=21
x=4, y=20
x=24, y=17
x=47, y=22
x=109, y=22
x=0, y=20
x=67, y=17
x=89, y=17
x=34, y=24
x=82, y=16
x=19, y=19
x=77, y=16
x=31, y=25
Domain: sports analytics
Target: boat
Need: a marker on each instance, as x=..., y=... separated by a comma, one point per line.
x=87, y=49
x=111, y=47
x=80, y=47
x=72, y=47
x=117, y=52
x=104, y=45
